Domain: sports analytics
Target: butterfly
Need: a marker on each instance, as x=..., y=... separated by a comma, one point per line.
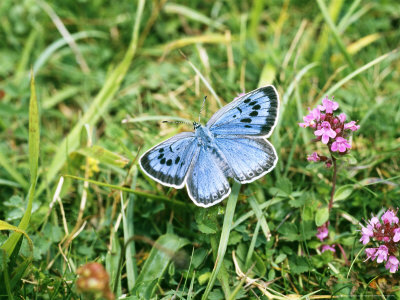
x=231, y=145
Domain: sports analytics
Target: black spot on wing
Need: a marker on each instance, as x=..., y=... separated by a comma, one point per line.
x=247, y=126
x=161, y=156
x=239, y=109
x=256, y=107
x=247, y=100
x=162, y=161
x=254, y=113
x=169, y=162
x=252, y=103
x=177, y=160
x=246, y=120
x=161, y=150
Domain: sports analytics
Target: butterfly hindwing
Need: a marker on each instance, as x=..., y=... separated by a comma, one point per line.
x=206, y=182
x=253, y=114
x=169, y=161
x=248, y=158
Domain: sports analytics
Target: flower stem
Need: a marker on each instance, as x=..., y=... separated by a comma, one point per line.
x=333, y=180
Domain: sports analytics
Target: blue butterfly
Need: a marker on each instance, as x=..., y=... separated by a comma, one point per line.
x=232, y=145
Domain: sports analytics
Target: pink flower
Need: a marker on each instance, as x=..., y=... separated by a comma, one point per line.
x=327, y=247
x=309, y=120
x=382, y=254
x=367, y=233
x=375, y=222
x=313, y=157
x=326, y=132
x=392, y=264
x=328, y=105
x=396, y=236
x=322, y=232
x=389, y=217
x=371, y=253
x=340, y=144
x=352, y=126
x=342, y=117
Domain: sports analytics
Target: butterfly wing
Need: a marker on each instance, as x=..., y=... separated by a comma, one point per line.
x=168, y=162
x=206, y=182
x=252, y=114
x=249, y=158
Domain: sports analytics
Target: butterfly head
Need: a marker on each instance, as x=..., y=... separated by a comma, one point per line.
x=196, y=125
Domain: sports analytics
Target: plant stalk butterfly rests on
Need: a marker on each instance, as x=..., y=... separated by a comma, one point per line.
x=232, y=145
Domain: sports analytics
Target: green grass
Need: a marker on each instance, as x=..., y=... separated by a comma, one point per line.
x=123, y=61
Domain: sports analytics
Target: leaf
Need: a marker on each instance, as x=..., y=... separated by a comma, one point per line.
x=104, y=156
x=280, y=258
x=160, y=256
x=234, y=238
x=322, y=216
x=260, y=267
x=6, y=226
x=207, y=227
x=289, y=231
x=343, y=192
x=34, y=137
x=298, y=264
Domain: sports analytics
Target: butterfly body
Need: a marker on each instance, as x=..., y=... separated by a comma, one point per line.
x=231, y=145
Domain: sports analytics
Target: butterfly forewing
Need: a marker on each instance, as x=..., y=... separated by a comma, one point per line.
x=248, y=158
x=206, y=182
x=169, y=162
x=253, y=114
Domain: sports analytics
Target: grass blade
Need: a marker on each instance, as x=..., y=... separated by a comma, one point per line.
x=335, y=33
x=11, y=170
x=223, y=243
x=377, y=60
x=34, y=136
x=138, y=193
x=160, y=256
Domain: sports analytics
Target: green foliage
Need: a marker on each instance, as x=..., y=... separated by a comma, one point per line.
x=117, y=68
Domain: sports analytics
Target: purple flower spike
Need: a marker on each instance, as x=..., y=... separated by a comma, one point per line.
x=328, y=106
x=313, y=157
x=392, y=264
x=382, y=254
x=340, y=144
x=326, y=132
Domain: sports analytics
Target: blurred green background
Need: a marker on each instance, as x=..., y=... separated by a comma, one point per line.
x=117, y=66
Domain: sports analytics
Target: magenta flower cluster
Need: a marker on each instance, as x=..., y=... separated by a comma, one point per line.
x=332, y=130
x=387, y=233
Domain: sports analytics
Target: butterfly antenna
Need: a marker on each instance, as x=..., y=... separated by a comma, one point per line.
x=202, y=107
x=177, y=122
